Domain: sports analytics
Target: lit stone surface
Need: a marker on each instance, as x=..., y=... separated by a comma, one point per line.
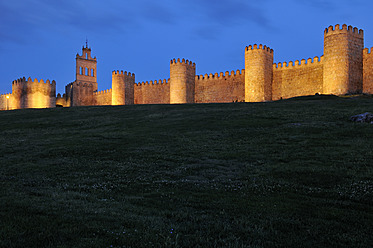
x=122, y=88
x=182, y=81
x=343, y=60
x=258, y=73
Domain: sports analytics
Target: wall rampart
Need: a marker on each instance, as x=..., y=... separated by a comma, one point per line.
x=61, y=101
x=123, y=88
x=343, y=60
x=103, y=97
x=220, y=87
x=368, y=70
x=6, y=101
x=182, y=85
x=258, y=73
x=153, y=92
x=33, y=93
x=82, y=94
x=297, y=78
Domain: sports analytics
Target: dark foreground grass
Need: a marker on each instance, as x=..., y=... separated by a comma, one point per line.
x=294, y=173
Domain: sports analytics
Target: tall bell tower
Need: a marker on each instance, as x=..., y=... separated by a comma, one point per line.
x=86, y=68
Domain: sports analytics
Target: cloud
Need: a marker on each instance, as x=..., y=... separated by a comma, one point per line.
x=231, y=12
x=22, y=19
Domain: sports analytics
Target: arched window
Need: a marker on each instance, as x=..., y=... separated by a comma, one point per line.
x=86, y=55
x=86, y=71
x=92, y=72
x=81, y=70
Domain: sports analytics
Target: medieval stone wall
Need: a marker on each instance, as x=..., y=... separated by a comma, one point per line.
x=182, y=77
x=346, y=67
x=343, y=60
x=258, y=73
x=6, y=102
x=297, y=79
x=220, y=87
x=82, y=94
x=103, y=97
x=123, y=88
x=61, y=101
x=368, y=71
x=33, y=94
x=157, y=92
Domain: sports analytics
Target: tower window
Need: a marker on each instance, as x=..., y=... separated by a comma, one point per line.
x=86, y=71
x=86, y=55
x=81, y=70
x=92, y=72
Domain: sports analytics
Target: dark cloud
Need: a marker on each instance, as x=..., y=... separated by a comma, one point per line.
x=22, y=19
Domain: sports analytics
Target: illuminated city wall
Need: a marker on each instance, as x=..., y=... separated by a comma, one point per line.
x=222, y=87
x=345, y=68
x=297, y=79
x=153, y=92
x=368, y=71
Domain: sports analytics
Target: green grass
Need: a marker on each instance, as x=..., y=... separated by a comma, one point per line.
x=292, y=173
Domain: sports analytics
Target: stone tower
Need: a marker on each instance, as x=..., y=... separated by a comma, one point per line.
x=122, y=88
x=80, y=92
x=33, y=93
x=86, y=68
x=343, y=60
x=258, y=73
x=182, y=81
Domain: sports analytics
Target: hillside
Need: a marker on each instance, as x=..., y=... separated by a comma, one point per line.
x=292, y=173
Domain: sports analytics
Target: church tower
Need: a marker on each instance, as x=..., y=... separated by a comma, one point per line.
x=86, y=68
x=80, y=92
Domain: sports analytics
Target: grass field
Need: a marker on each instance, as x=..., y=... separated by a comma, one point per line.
x=292, y=173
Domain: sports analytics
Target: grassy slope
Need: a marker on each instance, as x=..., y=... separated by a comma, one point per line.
x=292, y=173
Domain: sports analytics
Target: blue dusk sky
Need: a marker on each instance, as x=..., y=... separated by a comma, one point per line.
x=40, y=38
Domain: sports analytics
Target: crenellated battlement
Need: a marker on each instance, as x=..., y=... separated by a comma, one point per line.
x=260, y=47
x=159, y=82
x=20, y=80
x=290, y=65
x=368, y=51
x=102, y=92
x=183, y=61
x=7, y=95
x=30, y=82
x=221, y=75
x=121, y=73
x=331, y=30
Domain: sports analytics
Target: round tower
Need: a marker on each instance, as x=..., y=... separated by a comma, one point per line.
x=343, y=60
x=18, y=91
x=182, y=81
x=33, y=93
x=258, y=73
x=122, y=88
